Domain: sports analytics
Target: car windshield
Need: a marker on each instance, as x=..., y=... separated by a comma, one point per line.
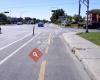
x=49, y=39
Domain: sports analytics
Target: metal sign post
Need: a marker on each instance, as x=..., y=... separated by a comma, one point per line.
x=33, y=29
x=0, y=30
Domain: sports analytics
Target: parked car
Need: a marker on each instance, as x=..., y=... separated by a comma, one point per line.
x=93, y=26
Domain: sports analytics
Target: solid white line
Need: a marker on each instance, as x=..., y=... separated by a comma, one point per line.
x=15, y=42
x=5, y=59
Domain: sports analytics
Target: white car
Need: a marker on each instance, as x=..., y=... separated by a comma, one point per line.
x=19, y=23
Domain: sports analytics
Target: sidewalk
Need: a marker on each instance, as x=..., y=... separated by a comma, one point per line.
x=87, y=52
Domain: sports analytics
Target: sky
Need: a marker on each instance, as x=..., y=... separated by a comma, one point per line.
x=42, y=8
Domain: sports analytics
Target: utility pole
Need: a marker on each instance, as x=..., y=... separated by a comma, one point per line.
x=86, y=3
x=87, y=16
x=79, y=11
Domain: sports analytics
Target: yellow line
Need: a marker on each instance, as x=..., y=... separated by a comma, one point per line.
x=46, y=51
x=49, y=40
x=42, y=71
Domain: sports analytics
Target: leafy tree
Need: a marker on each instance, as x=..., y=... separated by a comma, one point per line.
x=14, y=20
x=45, y=21
x=28, y=18
x=77, y=17
x=34, y=21
x=3, y=18
x=69, y=18
x=20, y=19
x=56, y=14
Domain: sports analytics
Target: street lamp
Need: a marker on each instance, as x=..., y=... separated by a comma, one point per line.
x=86, y=3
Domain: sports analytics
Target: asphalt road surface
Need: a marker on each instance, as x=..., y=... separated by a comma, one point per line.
x=56, y=63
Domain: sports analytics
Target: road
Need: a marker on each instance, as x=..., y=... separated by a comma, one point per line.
x=57, y=62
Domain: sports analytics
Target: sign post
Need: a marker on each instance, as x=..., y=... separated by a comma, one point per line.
x=33, y=29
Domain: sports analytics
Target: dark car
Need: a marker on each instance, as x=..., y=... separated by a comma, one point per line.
x=40, y=24
x=93, y=26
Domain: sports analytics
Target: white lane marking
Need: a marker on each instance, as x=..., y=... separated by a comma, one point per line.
x=5, y=59
x=14, y=42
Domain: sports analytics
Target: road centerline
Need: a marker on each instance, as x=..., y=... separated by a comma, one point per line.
x=49, y=40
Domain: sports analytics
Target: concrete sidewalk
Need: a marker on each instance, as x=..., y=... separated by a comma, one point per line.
x=87, y=52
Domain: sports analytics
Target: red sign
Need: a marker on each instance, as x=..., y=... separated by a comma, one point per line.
x=35, y=54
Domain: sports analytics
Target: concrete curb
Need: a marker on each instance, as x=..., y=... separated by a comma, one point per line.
x=86, y=68
x=77, y=51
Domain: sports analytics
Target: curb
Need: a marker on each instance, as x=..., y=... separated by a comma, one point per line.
x=76, y=51
x=86, y=68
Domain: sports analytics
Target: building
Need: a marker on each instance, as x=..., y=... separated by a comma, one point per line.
x=94, y=19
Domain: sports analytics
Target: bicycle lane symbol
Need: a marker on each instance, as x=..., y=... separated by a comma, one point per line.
x=35, y=54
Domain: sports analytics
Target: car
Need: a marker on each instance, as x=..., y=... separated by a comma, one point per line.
x=92, y=26
x=40, y=24
x=19, y=23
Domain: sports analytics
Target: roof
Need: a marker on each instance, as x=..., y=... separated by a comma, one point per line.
x=95, y=11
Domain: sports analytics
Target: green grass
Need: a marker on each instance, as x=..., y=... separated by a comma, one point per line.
x=91, y=36
x=73, y=26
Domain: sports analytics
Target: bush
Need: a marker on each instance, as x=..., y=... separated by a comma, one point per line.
x=68, y=25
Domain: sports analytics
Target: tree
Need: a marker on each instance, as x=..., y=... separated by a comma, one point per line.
x=45, y=21
x=28, y=18
x=69, y=18
x=77, y=17
x=56, y=14
x=14, y=20
x=34, y=21
x=20, y=19
x=3, y=18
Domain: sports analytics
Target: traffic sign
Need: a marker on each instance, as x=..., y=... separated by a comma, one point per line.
x=35, y=54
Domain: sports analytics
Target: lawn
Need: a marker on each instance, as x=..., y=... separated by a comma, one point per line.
x=73, y=25
x=91, y=36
